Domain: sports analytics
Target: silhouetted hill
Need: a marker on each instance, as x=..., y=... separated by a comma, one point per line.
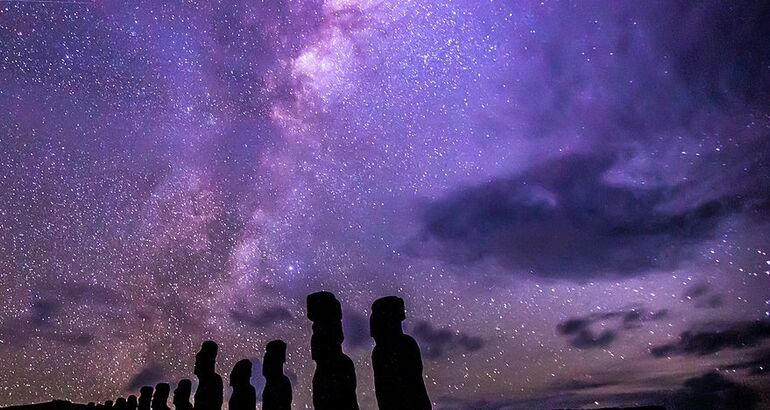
x=627, y=408
x=65, y=405
x=51, y=405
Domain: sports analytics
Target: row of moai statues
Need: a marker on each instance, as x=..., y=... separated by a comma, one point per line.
x=396, y=361
x=209, y=394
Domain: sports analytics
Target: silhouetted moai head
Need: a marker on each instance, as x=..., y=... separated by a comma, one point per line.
x=396, y=361
x=131, y=402
x=120, y=404
x=145, y=397
x=325, y=311
x=160, y=398
x=108, y=404
x=206, y=358
x=275, y=357
x=209, y=394
x=387, y=315
x=334, y=380
x=182, y=393
x=241, y=374
x=323, y=307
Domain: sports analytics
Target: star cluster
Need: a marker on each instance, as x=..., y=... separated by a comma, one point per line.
x=572, y=197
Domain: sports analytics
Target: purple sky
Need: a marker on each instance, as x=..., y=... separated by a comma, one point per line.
x=558, y=190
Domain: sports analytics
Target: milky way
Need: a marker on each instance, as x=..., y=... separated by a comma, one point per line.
x=558, y=190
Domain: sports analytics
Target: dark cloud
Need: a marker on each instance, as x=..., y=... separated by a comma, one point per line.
x=38, y=323
x=264, y=318
x=703, y=296
x=580, y=335
x=585, y=339
x=714, y=391
x=42, y=311
x=739, y=335
x=728, y=59
x=73, y=338
x=576, y=385
x=696, y=291
x=758, y=365
x=440, y=342
x=565, y=220
x=711, y=391
x=147, y=376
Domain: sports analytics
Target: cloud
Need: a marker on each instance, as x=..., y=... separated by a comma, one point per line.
x=580, y=335
x=147, y=376
x=739, y=335
x=565, y=220
x=711, y=391
x=714, y=391
x=42, y=311
x=38, y=322
x=264, y=318
x=703, y=296
x=440, y=342
x=758, y=365
x=577, y=385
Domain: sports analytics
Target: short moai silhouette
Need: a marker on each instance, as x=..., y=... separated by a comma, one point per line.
x=120, y=404
x=108, y=405
x=131, y=402
x=396, y=359
x=244, y=396
x=160, y=397
x=277, y=392
x=145, y=398
x=208, y=395
x=334, y=380
x=182, y=395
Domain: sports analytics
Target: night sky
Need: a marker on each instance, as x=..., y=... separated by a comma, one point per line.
x=571, y=197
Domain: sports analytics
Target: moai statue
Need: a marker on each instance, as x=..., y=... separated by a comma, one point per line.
x=131, y=402
x=277, y=392
x=244, y=395
x=160, y=398
x=145, y=398
x=208, y=396
x=108, y=405
x=396, y=359
x=120, y=404
x=182, y=395
x=334, y=381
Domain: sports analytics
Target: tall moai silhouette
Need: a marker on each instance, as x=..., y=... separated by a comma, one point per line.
x=145, y=398
x=334, y=381
x=131, y=402
x=277, y=392
x=396, y=359
x=182, y=395
x=120, y=403
x=160, y=397
x=244, y=395
x=208, y=395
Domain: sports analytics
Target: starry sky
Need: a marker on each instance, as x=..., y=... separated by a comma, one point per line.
x=571, y=196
